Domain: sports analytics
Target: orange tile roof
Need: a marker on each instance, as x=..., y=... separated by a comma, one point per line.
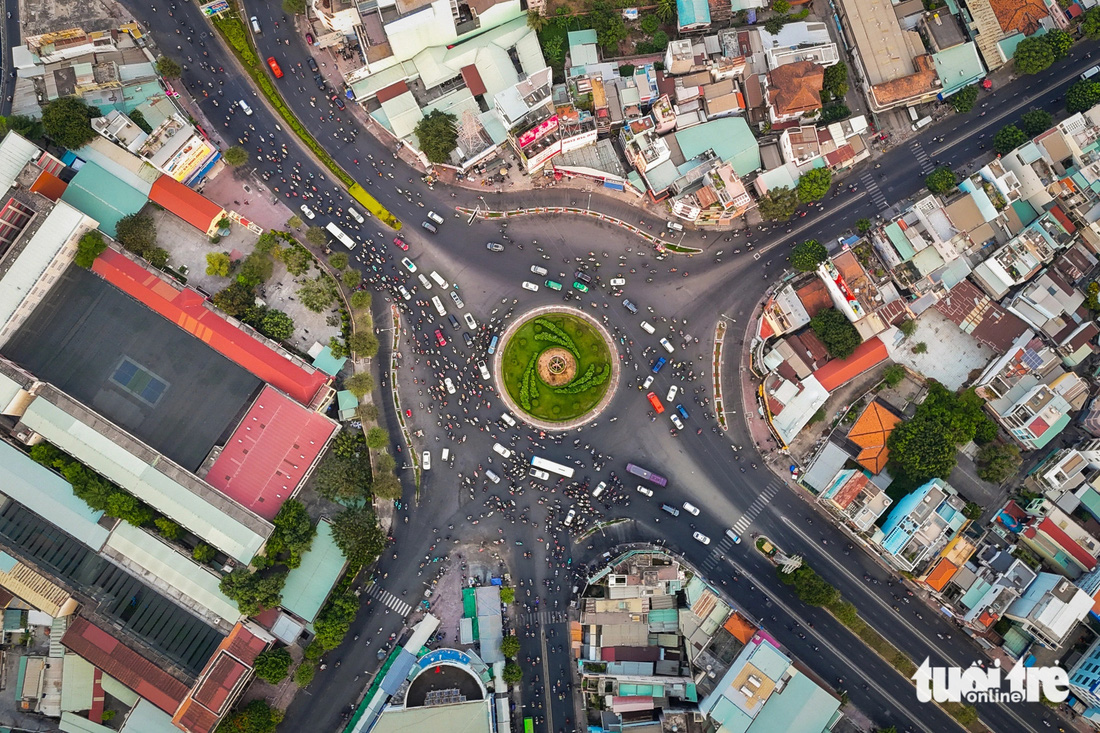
x=191, y=206
x=943, y=572
x=49, y=186
x=740, y=628
x=913, y=85
x=794, y=88
x=1023, y=16
x=814, y=297
x=840, y=371
x=987, y=619
x=870, y=433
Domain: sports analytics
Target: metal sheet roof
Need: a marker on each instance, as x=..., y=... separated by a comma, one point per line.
x=48, y=495
x=146, y=717
x=103, y=196
x=308, y=585
x=15, y=152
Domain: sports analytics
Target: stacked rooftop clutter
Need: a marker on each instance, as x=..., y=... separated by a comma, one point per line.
x=104, y=379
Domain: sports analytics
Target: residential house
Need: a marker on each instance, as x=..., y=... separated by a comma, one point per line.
x=794, y=90
x=1084, y=681
x=1061, y=541
x=995, y=579
x=1050, y=609
x=857, y=498
x=920, y=524
x=869, y=434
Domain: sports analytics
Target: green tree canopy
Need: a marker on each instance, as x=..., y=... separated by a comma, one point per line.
x=316, y=236
x=437, y=135
x=344, y=474
x=1085, y=93
x=234, y=299
x=357, y=533
x=217, y=264
x=293, y=535
x=807, y=255
x=90, y=246
x=297, y=258
x=963, y=100
x=650, y=23
x=1090, y=23
x=835, y=83
x=363, y=343
x=137, y=233
x=779, y=204
x=1008, y=138
x=294, y=7
x=509, y=646
x=338, y=261
x=254, y=591
x=814, y=184
x=608, y=23
x=666, y=10
x=168, y=68
x=68, y=122
x=998, y=461
x=255, y=717
x=28, y=127
x=255, y=269
x=941, y=181
x=235, y=156
x=809, y=586
x=507, y=594
x=781, y=6
x=335, y=619
x=863, y=225
x=536, y=21
x=360, y=299
x=203, y=553
x=272, y=665
x=921, y=449
x=377, y=438
x=138, y=119
x=837, y=333
x=1059, y=41
x=512, y=674
x=1033, y=55
x=317, y=294
x=1035, y=121
x=387, y=486
x=359, y=384
x=893, y=375
x=276, y=325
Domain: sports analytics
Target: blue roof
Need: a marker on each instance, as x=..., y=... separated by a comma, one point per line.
x=103, y=197
x=729, y=137
x=692, y=12
x=327, y=363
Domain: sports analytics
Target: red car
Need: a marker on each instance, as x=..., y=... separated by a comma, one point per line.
x=443, y=342
x=653, y=400
x=309, y=38
x=408, y=413
x=274, y=67
x=400, y=243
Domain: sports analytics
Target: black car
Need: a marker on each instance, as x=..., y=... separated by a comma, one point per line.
x=583, y=276
x=340, y=103
x=467, y=338
x=454, y=321
x=312, y=64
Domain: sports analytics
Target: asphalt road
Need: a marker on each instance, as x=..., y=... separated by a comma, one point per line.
x=702, y=468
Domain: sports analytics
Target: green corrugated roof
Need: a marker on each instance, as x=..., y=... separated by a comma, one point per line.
x=729, y=137
x=802, y=707
x=73, y=723
x=663, y=615
x=469, y=603
x=1091, y=500
x=103, y=197
x=77, y=677
x=901, y=244
x=328, y=363
x=308, y=585
x=1025, y=211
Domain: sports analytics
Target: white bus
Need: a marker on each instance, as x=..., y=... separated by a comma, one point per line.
x=552, y=467
x=339, y=234
x=439, y=280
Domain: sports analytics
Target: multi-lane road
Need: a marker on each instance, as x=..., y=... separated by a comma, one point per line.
x=702, y=468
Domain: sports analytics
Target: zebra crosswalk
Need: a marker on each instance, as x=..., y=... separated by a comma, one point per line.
x=543, y=617
x=389, y=599
x=725, y=545
x=926, y=164
x=877, y=198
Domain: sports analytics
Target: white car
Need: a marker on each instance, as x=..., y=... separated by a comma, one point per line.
x=425, y=282
x=644, y=491
x=648, y=381
x=469, y=319
x=539, y=473
x=457, y=300
x=618, y=282
x=245, y=108
x=691, y=508
x=404, y=292
x=701, y=537
x=484, y=370
x=530, y=286
x=569, y=517
x=427, y=462
x=408, y=264
x=307, y=211
x=540, y=271
x=676, y=421
x=449, y=385
x=500, y=449
x=671, y=393
x=667, y=346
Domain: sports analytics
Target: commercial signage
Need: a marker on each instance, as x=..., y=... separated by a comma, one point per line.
x=189, y=159
x=214, y=8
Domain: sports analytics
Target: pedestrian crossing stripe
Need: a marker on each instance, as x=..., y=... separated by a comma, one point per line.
x=389, y=599
x=874, y=191
x=543, y=617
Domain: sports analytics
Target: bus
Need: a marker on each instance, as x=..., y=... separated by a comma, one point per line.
x=339, y=234
x=274, y=67
x=647, y=475
x=552, y=467
x=528, y=725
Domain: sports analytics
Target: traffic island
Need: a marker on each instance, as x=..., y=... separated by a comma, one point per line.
x=556, y=368
x=719, y=405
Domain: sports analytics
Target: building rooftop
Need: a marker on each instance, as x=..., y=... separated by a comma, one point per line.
x=160, y=384
x=870, y=432
x=976, y=314
x=308, y=585
x=102, y=196
x=1019, y=16
x=838, y=372
x=729, y=137
x=795, y=88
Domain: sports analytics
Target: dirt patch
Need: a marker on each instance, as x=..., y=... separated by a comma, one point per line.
x=557, y=366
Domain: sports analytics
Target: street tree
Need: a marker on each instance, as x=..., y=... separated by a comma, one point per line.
x=512, y=674
x=1008, y=138
x=360, y=299
x=1059, y=41
x=997, y=461
x=508, y=594
x=294, y=7
x=437, y=135
x=359, y=384
x=168, y=68
x=385, y=463
x=255, y=717
x=316, y=236
x=68, y=122
x=1035, y=121
x=963, y=100
x=807, y=255
x=294, y=222
x=835, y=82
x=509, y=646
x=814, y=184
x=837, y=333
x=363, y=343
x=357, y=533
x=387, y=486
x=377, y=438
x=338, y=261
x=1033, y=55
x=272, y=665
x=217, y=264
x=317, y=294
x=941, y=181
x=350, y=277
x=1090, y=22
x=1083, y=94
x=863, y=225
x=235, y=156
x=779, y=204
x=90, y=246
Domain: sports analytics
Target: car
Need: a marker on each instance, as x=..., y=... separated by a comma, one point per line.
x=492, y=476
x=483, y=369
x=644, y=491
x=701, y=537
x=648, y=381
x=435, y=217
x=467, y=338
x=245, y=108
x=404, y=292
x=733, y=536
x=427, y=462
x=672, y=393
x=309, y=39
x=540, y=271
x=539, y=473
x=312, y=64
x=676, y=421
x=569, y=517
x=671, y=510
x=424, y=282
x=530, y=286
x=583, y=276
x=278, y=72
x=647, y=327
x=552, y=285
x=429, y=226
x=494, y=246
x=630, y=306
x=307, y=211
x=683, y=412
x=453, y=321
x=658, y=364
x=355, y=215
x=617, y=282
x=656, y=402
x=691, y=508
x=501, y=450
x=458, y=302
x=493, y=345
x=469, y=319
x=508, y=419
x=439, y=338
x=667, y=346
x=408, y=264
x=449, y=385
x=340, y=103
x=600, y=487
x=401, y=244
x=580, y=286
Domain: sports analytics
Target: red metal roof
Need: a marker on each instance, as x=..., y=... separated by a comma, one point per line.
x=1063, y=219
x=392, y=91
x=186, y=308
x=189, y=205
x=270, y=452
x=194, y=718
x=124, y=664
x=1063, y=540
x=243, y=644
x=839, y=371
x=214, y=691
x=222, y=676
x=473, y=80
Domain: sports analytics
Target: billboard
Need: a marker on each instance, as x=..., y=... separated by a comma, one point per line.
x=214, y=8
x=542, y=129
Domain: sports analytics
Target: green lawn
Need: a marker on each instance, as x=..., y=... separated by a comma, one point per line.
x=549, y=405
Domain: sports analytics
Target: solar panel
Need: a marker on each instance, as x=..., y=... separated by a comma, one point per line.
x=1031, y=360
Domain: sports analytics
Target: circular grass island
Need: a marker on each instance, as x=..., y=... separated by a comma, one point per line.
x=557, y=368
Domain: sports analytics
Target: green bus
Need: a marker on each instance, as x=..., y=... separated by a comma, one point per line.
x=553, y=285
x=528, y=725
